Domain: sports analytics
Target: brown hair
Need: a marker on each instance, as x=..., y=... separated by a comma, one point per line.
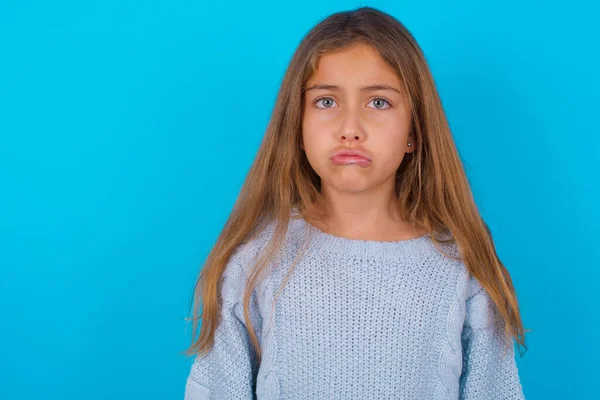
x=432, y=188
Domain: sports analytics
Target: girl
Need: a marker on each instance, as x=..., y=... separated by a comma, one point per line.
x=355, y=264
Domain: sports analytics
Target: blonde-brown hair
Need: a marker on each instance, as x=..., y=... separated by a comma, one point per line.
x=432, y=189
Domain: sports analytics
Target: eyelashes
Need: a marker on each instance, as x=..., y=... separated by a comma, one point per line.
x=373, y=99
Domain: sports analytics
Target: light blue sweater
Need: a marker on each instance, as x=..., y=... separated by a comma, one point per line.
x=357, y=320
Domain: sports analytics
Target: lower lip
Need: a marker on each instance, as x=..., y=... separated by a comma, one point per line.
x=342, y=160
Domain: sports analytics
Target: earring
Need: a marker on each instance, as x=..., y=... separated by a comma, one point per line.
x=409, y=144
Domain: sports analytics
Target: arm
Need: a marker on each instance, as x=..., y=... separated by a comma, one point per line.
x=228, y=371
x=489, y=368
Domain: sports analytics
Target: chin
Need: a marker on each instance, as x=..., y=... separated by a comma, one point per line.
x=349, y=185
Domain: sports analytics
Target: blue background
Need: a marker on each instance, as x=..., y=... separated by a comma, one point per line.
x=127, y=128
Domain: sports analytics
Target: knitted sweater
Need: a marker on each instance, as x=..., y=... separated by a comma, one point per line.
x=356, y=319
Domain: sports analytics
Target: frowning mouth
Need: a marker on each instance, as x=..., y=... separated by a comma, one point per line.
x=347, y=156
x=349, y=159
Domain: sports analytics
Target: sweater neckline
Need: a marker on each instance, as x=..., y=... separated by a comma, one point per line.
x=351, y=248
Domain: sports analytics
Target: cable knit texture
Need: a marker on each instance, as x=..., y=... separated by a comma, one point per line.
x=357, y=319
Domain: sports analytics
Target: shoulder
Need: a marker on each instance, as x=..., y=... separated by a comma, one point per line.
x=447, y=244
x=474, y=288
x=253, y=243
x=242, y=260
x=480, y=309
x=478, y=305
x=247, y=253
x=469, y=284
x=446, y=257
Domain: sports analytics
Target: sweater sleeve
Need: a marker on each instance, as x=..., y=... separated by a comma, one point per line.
x=489, y=369
x=228, y=371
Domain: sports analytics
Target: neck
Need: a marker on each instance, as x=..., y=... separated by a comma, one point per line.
x=357, y=216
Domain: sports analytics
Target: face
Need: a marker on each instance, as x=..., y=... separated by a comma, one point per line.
x=354, y=101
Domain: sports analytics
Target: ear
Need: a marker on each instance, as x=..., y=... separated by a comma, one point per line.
x=411, y=140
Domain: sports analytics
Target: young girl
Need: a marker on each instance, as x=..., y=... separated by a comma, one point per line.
x=355, y=264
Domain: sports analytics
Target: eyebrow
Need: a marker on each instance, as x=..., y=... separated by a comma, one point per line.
x=362, y=89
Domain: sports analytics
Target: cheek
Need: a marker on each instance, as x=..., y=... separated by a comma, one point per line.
x=316, y=147
x=390, y=159
x=390, y=147
x=313, y=135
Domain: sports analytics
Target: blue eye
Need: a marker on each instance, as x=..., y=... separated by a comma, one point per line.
x=324, y=98
x=328, y=102
x=380, y=100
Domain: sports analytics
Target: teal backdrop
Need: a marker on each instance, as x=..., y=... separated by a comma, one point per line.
x=127, y=129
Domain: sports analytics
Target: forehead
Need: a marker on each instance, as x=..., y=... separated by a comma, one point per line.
x=354, y=66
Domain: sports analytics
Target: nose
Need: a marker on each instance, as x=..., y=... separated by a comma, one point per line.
x=351, y=129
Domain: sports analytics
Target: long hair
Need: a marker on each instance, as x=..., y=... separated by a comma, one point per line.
x=431, y=186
